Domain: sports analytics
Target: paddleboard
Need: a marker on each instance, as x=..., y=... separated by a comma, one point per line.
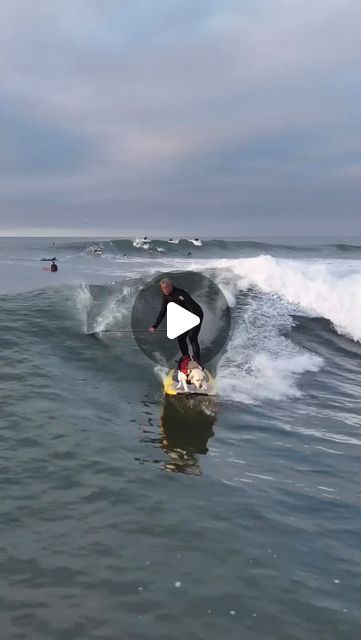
x=170, y=385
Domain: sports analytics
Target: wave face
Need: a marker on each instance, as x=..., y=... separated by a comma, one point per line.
x=268, y=297
x=269, y=286
x=327, y=289
x=268, y=294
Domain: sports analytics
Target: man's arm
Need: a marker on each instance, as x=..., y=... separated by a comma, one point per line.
x=161, y=313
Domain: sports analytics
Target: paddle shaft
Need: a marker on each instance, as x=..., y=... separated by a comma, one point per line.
x=127, y=331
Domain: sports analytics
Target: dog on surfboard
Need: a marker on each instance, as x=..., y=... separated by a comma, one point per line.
x=190, y=373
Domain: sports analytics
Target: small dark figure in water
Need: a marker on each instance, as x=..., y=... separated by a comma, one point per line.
x=53, y=267
x=124, y=255
x=145, y=238
x=189, y=253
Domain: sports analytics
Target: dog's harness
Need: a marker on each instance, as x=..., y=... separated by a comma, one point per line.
x=183, y=366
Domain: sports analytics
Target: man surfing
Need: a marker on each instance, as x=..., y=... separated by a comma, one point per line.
x=183, y=299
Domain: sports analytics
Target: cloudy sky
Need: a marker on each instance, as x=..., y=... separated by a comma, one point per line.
x=228, y=117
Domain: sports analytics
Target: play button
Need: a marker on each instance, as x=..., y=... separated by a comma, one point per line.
x=161, y=335
x=179, y=320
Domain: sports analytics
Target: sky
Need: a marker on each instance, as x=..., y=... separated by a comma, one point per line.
x=162, y=117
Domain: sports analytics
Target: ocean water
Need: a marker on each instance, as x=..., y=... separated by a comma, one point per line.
x=124, y=516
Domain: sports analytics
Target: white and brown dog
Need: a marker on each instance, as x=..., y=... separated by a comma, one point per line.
x=191, y=373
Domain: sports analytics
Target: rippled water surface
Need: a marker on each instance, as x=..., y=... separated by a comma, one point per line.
x=127, y=516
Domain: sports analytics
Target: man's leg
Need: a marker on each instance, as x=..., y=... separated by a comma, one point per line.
x=182, y=341
x=193, y=339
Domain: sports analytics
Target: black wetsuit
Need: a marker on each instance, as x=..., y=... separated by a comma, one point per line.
x=183, y=299
x=54, y=267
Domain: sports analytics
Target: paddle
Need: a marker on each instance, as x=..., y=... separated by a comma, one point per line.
x=93, y=333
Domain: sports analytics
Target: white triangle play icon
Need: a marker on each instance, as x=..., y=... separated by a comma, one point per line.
x=179, y=320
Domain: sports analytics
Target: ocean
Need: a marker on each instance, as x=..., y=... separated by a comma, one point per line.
x=126, y=516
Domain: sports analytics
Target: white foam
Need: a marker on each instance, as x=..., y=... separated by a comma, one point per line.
x=117, y=308
x=259, y=362
x=161, y=372
x=83, y=303
x=141, y=243
x=324, y=288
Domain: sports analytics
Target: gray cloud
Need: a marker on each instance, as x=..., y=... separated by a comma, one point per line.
x=227, y=117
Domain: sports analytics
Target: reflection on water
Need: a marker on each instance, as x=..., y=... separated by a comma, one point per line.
x=186, y=426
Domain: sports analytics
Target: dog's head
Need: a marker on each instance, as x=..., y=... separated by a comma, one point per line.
x=197, y=377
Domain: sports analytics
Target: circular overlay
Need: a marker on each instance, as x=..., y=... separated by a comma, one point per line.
x=215, y=327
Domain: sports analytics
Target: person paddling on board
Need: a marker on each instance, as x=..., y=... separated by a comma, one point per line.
x=183, y=299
